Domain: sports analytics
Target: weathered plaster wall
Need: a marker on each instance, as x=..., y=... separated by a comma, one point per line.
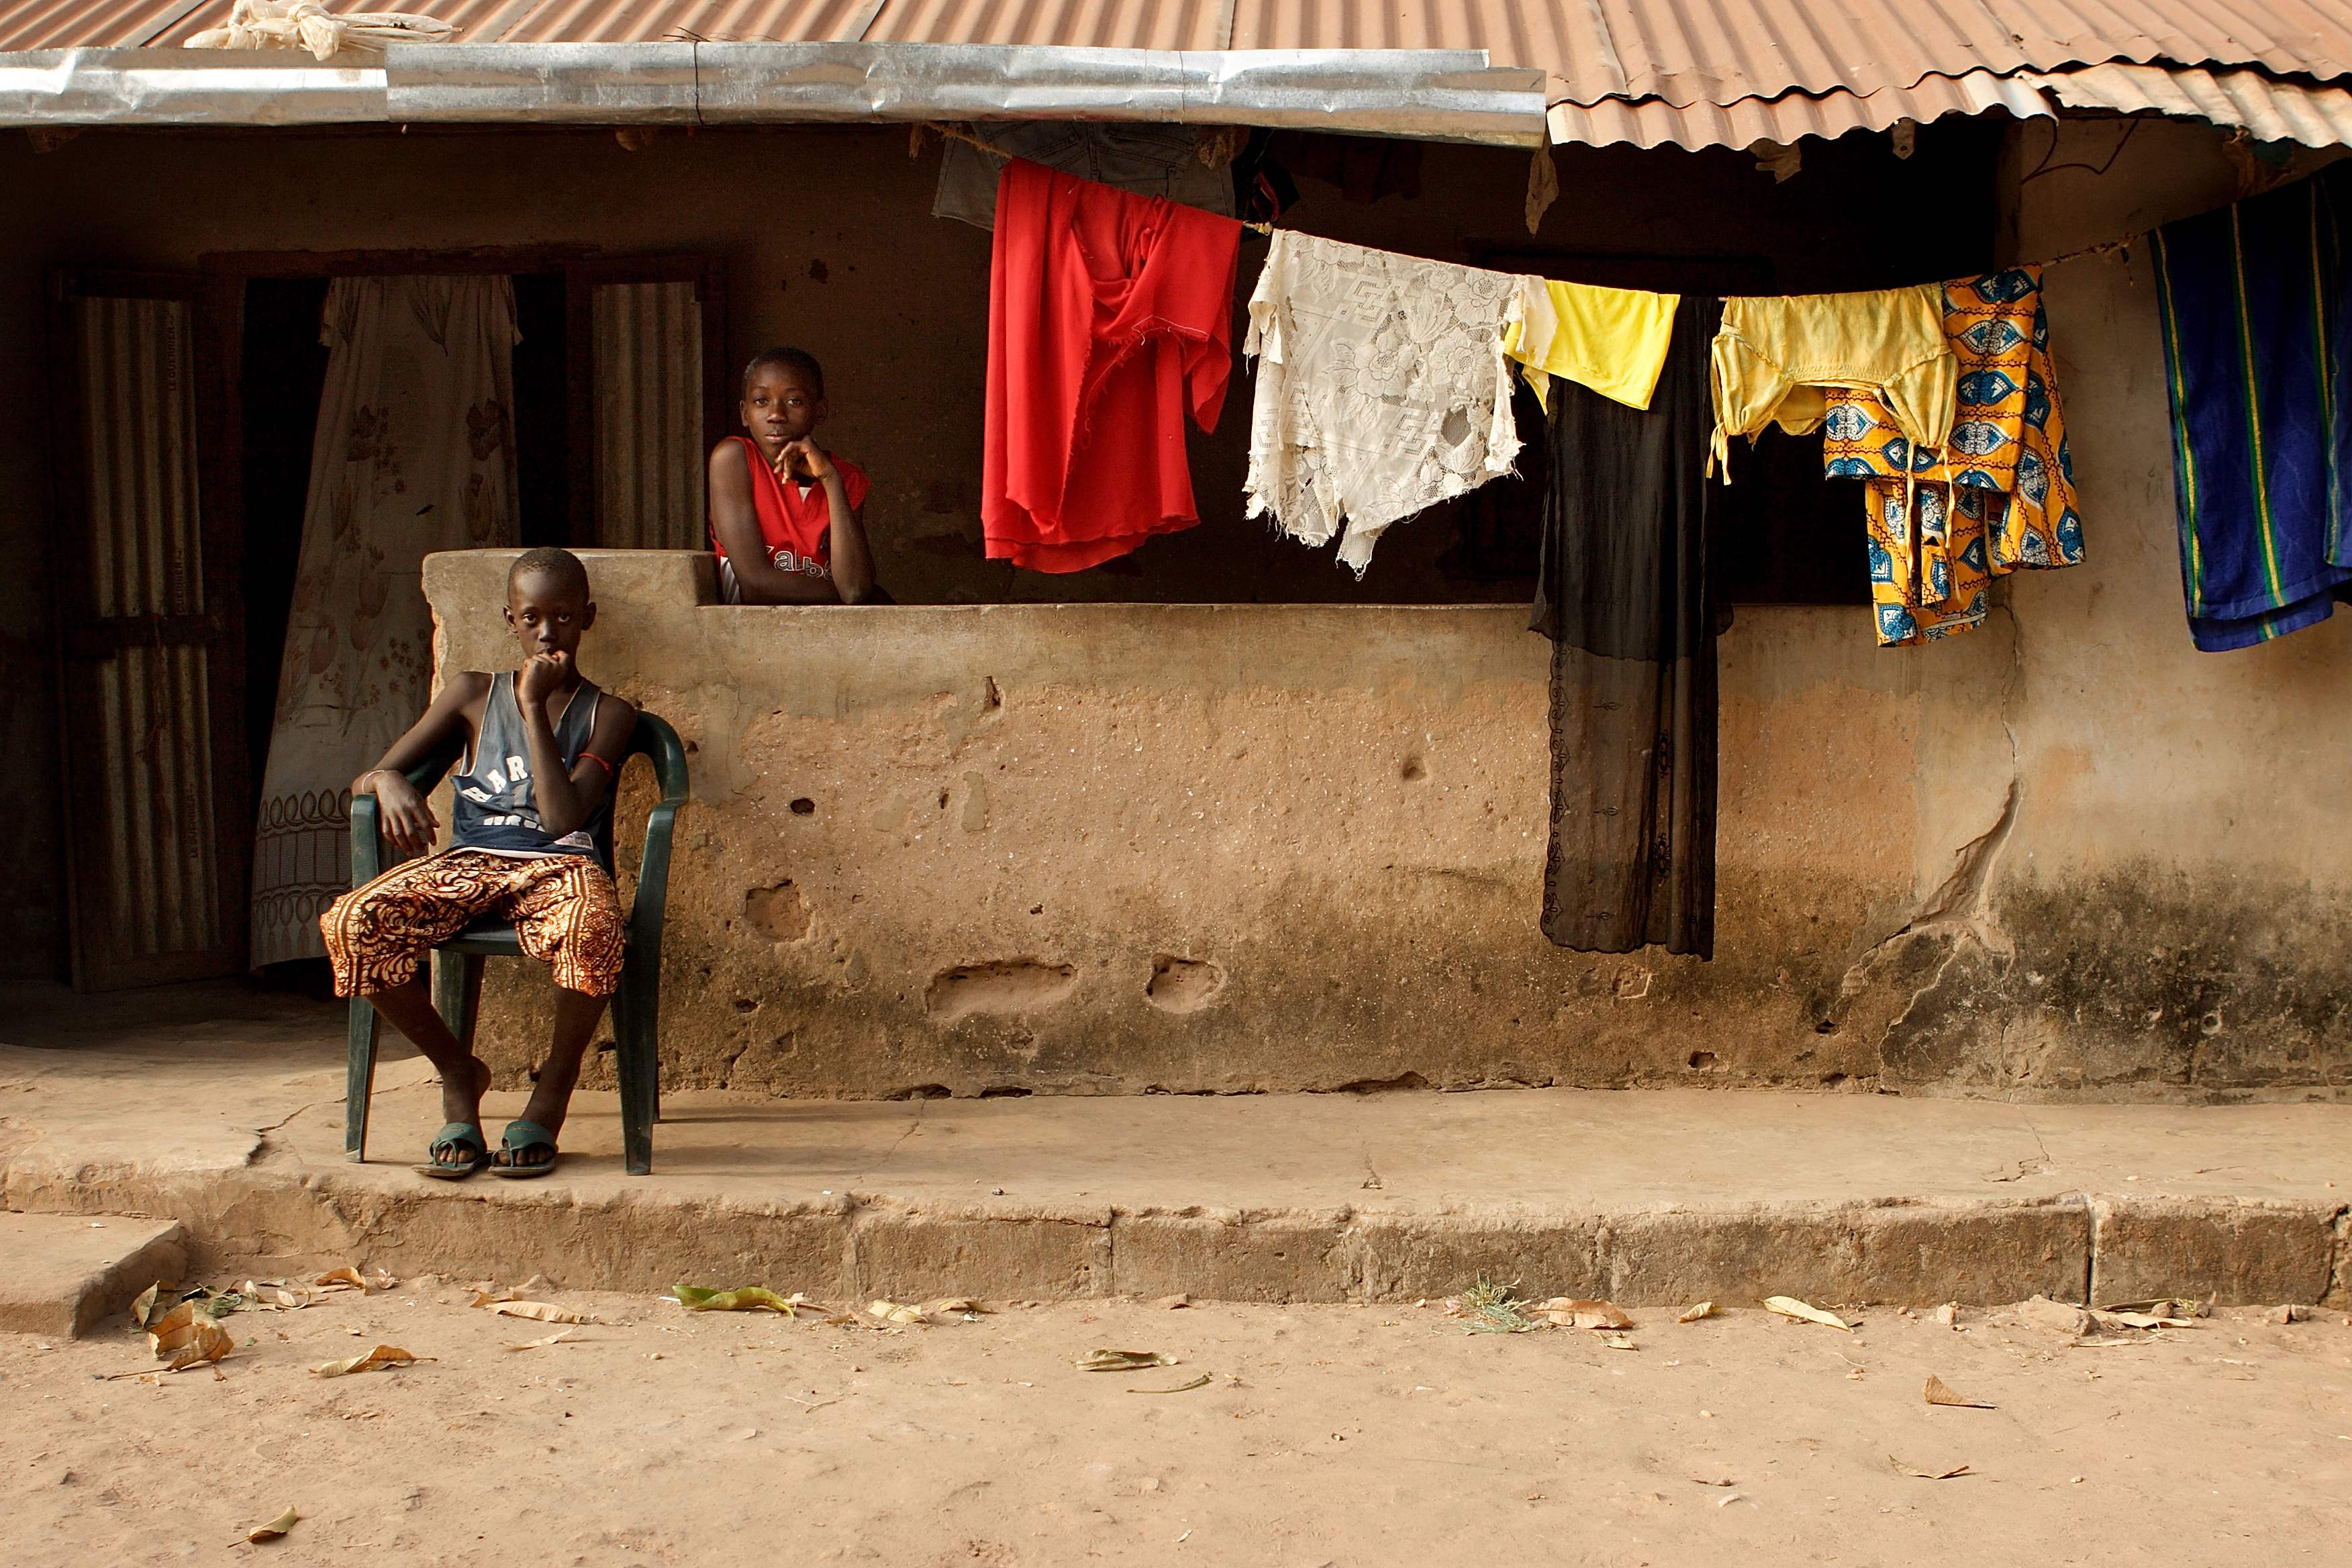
x=829, y=243
x=1090, y=849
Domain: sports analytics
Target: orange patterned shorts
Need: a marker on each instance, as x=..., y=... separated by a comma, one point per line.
x=564, y=909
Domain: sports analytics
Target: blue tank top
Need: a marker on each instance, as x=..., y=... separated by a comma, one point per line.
x=496, y=806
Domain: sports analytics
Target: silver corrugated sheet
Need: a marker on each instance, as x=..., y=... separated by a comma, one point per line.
x=2267, y=109
x=1453, y=96
x=185, y=87
x=146, y=553
x=648, y=343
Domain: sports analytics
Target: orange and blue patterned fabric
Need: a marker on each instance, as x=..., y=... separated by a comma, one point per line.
x=1998, y=496
x=2255, y=355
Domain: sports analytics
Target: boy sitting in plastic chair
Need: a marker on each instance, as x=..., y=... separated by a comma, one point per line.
x=534, y=821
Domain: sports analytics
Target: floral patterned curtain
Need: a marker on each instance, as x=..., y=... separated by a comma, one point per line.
x=414, y=453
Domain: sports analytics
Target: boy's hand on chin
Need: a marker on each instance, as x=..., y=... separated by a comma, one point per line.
x=543, y=675
x=805, y=457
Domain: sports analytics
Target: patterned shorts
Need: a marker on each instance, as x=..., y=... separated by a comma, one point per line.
x=564, y=909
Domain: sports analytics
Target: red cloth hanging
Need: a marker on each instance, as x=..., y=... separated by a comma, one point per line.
x=1108, y=316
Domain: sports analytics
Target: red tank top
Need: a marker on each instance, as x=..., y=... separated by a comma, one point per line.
x=795, y=523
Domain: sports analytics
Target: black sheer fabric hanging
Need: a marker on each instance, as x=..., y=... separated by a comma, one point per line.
x=1622, y=593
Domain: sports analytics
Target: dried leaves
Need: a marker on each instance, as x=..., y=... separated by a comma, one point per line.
x=1938, y=1391
x=1903, y=1470
x=186, y=1336
x=1693, y=1314
x=945, y=1310
x=1789, y=1307
x=275, y=1528
x=557, y=1338
x=1567, y=1312
x=503, y=1303
x=381, y=1359
x=1123, y=1361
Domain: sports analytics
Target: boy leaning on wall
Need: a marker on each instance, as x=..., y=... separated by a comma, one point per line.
x=533, y=845
x=787, y=516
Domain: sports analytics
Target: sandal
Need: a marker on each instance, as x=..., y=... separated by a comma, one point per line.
x=457, y=1151
x=521, y=1138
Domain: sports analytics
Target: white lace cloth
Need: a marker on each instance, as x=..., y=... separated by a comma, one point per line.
x=1382, y=388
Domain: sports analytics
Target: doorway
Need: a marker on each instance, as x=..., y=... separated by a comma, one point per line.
x=611, y=411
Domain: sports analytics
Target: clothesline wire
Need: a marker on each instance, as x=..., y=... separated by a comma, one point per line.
x=955, y=134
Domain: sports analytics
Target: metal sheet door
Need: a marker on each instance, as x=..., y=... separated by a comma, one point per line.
x=652, y=333
x=150, y=671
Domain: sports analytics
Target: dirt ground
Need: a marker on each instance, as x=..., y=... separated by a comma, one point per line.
x=1326, y=1436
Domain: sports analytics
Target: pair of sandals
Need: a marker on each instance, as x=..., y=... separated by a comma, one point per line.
x=458, y=1149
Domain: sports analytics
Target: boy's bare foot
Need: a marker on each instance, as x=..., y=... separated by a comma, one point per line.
x=463, y=1101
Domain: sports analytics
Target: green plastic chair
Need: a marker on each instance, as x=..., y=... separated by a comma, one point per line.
x=457, y=963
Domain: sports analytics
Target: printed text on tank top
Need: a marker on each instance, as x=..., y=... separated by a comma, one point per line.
x=496, y=809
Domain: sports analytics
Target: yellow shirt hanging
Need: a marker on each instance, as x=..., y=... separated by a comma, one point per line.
x=1613, y=341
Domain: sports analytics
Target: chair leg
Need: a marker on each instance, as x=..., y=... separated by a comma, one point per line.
x=457, y=991
x=359, y=1078
x=640, y=1074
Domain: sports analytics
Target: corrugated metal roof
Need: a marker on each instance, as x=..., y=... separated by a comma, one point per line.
x=2317, y=115
x=1078, y=24
x=1647, y=72
x=730, y=21
x=1654, y=123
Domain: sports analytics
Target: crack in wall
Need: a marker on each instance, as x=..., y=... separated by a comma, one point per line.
x=1961, y=910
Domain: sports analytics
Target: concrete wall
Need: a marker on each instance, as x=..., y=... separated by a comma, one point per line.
x=1200, y=850
x=1300, y=846
x=829, y=244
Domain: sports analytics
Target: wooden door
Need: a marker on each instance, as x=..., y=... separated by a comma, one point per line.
x=652, y=333
x=150, y=659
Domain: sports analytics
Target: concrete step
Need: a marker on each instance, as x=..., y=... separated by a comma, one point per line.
x=66, y=1274
x=1646, y=1197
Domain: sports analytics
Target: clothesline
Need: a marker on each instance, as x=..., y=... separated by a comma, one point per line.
x=955, y=134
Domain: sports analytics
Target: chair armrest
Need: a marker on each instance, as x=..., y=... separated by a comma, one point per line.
x=661, y=745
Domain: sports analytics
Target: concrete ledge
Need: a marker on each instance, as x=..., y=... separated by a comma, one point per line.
x=1650, y=1198
x=2240, y=1254
x=66, y=1274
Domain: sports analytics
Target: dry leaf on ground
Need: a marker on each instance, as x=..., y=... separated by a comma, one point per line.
x=2140, y=1319
x=346, y=1275
x=1940, y=1393
x=2058, y=1316
x=143, y=1307
x=539, y=1311
x=1568, y=1312
x=1200, y=1382
x=1618, y=1342
x=1903, y=1470
x=185, y=1337
x=380, y=1359
x=1123, y=1361
x=275, y=1528
x=1692, y=1315
x=945, y=1310
x=487, y=1295
x=952, y=1307
x=1789, y=1307
x=557, y=1338
x=742, y=1299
